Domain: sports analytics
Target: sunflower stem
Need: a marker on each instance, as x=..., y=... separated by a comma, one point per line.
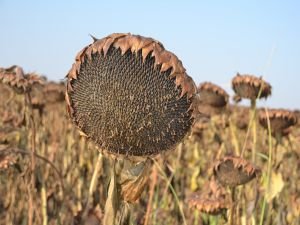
x=93, y=184
x=269, y=168
x=234, y=137
x=278, y=138
x=254, y=134
x=32, y=136
x=44, y=204
x=232, y=210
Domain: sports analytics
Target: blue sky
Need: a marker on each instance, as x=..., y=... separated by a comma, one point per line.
x=214, y=39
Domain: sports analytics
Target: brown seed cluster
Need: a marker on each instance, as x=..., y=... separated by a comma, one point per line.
x=213, y=199
x=130, y=96
x=14, y=77
x=233, y=171
x=251, y=87
x=280, y=120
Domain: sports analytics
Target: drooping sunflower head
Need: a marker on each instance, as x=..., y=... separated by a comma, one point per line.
x=130, y=96
x=251, y=87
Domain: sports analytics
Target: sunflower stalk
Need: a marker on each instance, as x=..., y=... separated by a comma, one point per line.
x=278, y=142
x=93, y=185
x=269, y=171
x=254, y=133
x=32, y=136
x=233, y=207
x=44, y=204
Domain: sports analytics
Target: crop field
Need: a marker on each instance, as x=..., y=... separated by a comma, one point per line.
x=234, y=165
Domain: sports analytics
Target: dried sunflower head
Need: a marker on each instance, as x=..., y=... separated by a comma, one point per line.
x=15, y=78
x=212, y=94
x=212, y=99
x=248, y=86
x=211, y=205
x=280, y=120
x=213, y=199
x=54, y=92
x=48, y=93
x=233, y=171
x=130, y=96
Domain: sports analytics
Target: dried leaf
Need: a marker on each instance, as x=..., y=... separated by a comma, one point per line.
x=276, y=186
x=111, y=205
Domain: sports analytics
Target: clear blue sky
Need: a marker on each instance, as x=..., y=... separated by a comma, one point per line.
x=214, y=39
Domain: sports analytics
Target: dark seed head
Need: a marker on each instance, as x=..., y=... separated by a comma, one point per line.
x=130, y=96
x=233, y=171
x=248, y=86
